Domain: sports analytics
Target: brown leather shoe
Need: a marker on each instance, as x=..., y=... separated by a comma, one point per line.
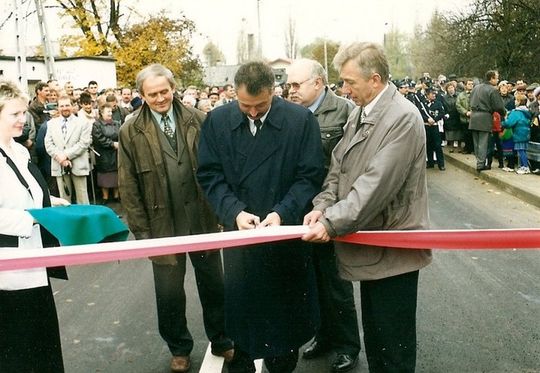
x=180, y=364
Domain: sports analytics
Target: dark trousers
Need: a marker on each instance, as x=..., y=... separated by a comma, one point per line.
x=495, y=148
x=29, y=335
x=469, y=143
x=171, y=302
x=433, y=144
x=339, y=320
x=242, y=363
x=389, y=322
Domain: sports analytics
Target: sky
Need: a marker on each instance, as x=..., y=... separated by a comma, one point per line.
x=220, y=21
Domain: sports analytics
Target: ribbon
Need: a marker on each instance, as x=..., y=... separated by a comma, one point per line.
x=12, y=258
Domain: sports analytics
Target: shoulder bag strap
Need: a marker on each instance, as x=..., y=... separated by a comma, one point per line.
x=16, y=170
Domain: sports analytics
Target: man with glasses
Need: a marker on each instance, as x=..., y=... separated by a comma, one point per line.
x=339, y=324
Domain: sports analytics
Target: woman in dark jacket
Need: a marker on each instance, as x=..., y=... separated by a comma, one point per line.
x=452, y=126
x=105, y=143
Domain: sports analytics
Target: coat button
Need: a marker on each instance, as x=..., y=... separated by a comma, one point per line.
x=327, y=135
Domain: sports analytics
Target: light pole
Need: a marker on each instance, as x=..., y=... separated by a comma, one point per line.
x=259, y=41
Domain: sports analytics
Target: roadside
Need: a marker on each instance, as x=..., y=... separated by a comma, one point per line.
x=524, y=187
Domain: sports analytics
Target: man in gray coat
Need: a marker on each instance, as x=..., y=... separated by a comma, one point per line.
x=377, y=181
x=485, y=100
x=339, y=324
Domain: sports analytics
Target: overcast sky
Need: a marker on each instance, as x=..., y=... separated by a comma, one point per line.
x=221, y=20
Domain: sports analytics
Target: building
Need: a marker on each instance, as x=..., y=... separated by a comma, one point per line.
x=78, y=70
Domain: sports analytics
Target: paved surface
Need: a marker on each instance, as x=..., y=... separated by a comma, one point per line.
x=524, y=187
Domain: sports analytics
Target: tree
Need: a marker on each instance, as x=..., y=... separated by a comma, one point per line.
x=396, y=50
x=315, y=51
x=159, y=40
x=490, y=34
x=98, y=21
x=212, y=54
x=291, y=40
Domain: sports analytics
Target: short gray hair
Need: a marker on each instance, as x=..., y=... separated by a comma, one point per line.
x=153, y=71
x=369, y=57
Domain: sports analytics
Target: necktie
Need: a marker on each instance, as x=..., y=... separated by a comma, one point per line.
x=258, y=125
x=360, y=120
x=64, y=127
x=167, y=130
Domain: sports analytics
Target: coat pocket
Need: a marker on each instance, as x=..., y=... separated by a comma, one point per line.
x=358, y=255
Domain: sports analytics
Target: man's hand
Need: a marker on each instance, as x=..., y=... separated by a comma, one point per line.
x=312, y=218
x=317, y=233
x=245, y=220
x=272, y=219
x=60, y=157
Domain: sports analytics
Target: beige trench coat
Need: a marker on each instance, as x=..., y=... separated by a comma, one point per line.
x=377, y=181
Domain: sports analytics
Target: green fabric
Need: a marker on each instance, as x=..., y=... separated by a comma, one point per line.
x=507, y=134
x=81, y=224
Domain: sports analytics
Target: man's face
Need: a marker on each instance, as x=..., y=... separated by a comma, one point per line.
x=469, y=85
x=304, y=89
x=495, y=80
x=92, y=89
x=43, y=95
x=126, y=95
x=157, y=93
x=359, y=88
x=403, y=90
x=65, y=108
x=213, y=99
x=230, y=93
x=254, y=106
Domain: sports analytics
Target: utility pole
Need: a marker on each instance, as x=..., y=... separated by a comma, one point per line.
x=20, y=58
x=45, y=41
x=259, y=46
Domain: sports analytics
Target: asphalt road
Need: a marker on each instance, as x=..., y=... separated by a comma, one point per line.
x=478, y=311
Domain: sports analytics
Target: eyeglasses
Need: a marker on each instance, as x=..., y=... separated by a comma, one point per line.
x=296, y=85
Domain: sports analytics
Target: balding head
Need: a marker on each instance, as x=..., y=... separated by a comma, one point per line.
x=307, y=80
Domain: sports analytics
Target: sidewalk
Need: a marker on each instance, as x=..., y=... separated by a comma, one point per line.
x=524, y=187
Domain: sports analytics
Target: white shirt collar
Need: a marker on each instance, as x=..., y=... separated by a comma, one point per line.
x=367, y=109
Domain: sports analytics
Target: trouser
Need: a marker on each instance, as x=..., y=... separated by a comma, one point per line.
x=495, y=148
x=242, y=363
x=433, y=144
x=389, y=322
x=469, y=146
x=481, y=139
x=339, y=320
x=171, y=302
x=68, y=182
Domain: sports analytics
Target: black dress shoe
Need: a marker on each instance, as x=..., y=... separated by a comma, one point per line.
x=315, y=349
x=344, y=363
x=430, y=166
x=442, y=168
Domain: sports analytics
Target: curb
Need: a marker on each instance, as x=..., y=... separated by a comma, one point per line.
x=528, y=195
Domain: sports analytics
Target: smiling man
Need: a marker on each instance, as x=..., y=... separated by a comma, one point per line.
x=377, y=181
x=156, y=163
x=260, y=164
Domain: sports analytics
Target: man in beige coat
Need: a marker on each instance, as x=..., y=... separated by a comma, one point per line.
x=377, y=181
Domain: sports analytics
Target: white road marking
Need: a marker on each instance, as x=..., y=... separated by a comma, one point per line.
x=211, y=363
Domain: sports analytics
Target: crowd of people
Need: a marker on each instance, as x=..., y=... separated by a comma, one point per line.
x=268, y=155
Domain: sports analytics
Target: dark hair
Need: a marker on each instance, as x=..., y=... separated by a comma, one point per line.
x=226, y=86
x=490, y=75
x=85, y=98
x=39, y=86
x=256, y=76
x=110, y=98
x=92, y=82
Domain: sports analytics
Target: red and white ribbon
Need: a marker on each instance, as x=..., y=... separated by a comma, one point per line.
x=13, y=258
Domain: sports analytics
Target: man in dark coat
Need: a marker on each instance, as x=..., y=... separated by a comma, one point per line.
x=485, y=100
x=159, y=191
x=260, y=162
